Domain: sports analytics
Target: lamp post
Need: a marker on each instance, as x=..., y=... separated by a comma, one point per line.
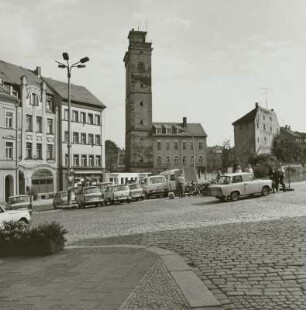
x=68, y=66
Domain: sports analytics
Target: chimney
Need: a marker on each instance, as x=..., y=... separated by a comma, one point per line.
x=37, y=71
x=256, y=105
x=289, y=127
x=184, y=122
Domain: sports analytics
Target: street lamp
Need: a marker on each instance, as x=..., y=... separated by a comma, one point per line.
x=68, y=66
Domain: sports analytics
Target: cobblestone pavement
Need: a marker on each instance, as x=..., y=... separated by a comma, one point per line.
x=250, y=253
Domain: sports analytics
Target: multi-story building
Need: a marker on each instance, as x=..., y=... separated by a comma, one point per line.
x=254, y=133
x=42, y=129
x=214, y=158
x=87, y=139
x=179, y=145
x=296, y=136
x=8, y=144
x=37, y=168
x=155, y=146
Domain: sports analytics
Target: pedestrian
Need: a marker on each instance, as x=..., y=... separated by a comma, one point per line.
x=272, y=177
x=249, y=169
x=281, y=173
x=30, y=194
x=180, y=186
x=276, y=180
x=238, y=169
x=219, y=173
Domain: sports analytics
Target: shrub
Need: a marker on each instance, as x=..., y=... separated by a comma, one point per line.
x=20, y=232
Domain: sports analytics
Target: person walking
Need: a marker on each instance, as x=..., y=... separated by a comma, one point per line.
x=272, y=177
x=238, y=169
x=180, y=186
x=281, y=173
x=249, y=169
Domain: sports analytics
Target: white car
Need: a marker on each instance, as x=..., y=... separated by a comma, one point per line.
x=136, y=191
x=234, y=185
x=18, y=202
x=117, y=193
x=23, y=215
x=155, y=186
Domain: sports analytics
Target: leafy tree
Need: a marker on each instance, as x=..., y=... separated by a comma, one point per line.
x=286, y=150
x=261, y=164
x=111, y=154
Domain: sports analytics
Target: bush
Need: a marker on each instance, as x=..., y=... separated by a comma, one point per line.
x=21, y=233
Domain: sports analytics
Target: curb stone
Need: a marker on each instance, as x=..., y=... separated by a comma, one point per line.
x=193, y=289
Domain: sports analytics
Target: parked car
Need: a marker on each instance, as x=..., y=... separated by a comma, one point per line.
x=234, y=185
x=88, y=196
x=136, y=191
x=117, y=193
x=155, y=186
x=61, y=199
x=103, y=186
x=18, y=202
x=14, y=215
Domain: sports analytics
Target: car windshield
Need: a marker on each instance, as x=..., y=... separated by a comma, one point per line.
x=134, y=186
x=120, y=188
x=13, y=200
x=224, y=180
x=157, y=180
x=91, y=190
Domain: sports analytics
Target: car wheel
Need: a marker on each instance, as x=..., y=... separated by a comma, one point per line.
x=234, y=196
x=24, y=220
x=265, y=191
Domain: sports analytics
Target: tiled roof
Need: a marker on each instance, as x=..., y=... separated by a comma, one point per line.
x=4, y=94
x=191, y=129
x=248, y=118
x=77, y=93
x=11, y=74
x=296, y=134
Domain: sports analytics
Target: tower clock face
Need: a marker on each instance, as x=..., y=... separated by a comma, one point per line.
x=141, y=66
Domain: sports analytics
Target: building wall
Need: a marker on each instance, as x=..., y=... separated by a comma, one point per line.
x=7, y=164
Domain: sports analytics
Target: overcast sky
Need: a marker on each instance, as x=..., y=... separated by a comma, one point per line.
x=210, y=61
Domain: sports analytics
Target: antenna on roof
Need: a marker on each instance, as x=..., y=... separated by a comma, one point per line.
x=265, y=92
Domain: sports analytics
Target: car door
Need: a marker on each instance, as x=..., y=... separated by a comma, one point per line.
x=237, y=184
x=250, y=183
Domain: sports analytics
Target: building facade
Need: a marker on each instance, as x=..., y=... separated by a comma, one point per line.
x=151, y=146
x=9, y=105
x=254, y=133
x=87, y=138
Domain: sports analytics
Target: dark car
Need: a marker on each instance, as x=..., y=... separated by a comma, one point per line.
x=60, y=199
x=90, y=196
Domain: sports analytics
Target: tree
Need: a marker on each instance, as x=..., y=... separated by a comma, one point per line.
x=111, y=154
x=261, y=164
x=286, y=149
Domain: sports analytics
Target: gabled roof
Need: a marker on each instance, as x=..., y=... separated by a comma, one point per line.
x=77, y=93
x=248, y=118
x=296, y=134
x=11, y=74
x=191, y=129
x=4, y=94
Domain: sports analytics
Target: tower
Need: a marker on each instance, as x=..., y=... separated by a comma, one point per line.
x=138, y=103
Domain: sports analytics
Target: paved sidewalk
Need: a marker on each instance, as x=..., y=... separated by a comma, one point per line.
x=102, y=278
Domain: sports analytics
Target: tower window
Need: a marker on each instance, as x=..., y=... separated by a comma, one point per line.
x=141, y=67
x=141, y=122
x=141, y=103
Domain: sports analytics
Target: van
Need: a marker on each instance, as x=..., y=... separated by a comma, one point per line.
x=155, y=186
x=171, y=177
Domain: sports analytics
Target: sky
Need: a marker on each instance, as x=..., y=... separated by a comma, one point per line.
x=211, y=60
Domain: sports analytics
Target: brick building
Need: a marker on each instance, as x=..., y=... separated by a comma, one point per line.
x=254, y=133
x=151, y=146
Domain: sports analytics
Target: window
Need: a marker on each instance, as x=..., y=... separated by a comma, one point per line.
x=29, y=125
x=38, y=151
x=75, y=138
x=33, y=99
x=158, y=145
x=168, y=159
x=49, y=104
x=141, y=103
x=97, y=120
x=176, y=160
x=91, y=160
x=98, y=140
x=28, y=150
x=65, y=114
x=66, y=137
x=83, y=138
x=264, y=127
x=90, y=139
x=75, y=116
x=191, y=145
x=84, y=160
x=200, y=146
x=9, y=119
x=237, y=179
x=49, y=151
x=184, y=159
x=76, y=160
x=168, y=131
x=159, y=160
x=200, y=159
x=192, y=159
x=184, y=145
x=257, y=125
x=141, y=67
x=258, y=139
x=66, y=159
x=158, y=130
x=83, y=117
x=38, y=124
x=98, y=160
x=265, y=140
x=49, y=126
x=90, y=118
x=167, y=145
x=9, y=150
x=141, y=122
x=175, y=145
